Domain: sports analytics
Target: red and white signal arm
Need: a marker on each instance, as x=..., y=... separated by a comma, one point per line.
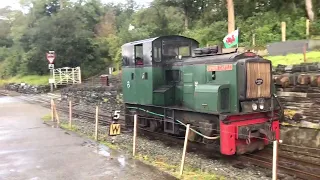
x=51, y=56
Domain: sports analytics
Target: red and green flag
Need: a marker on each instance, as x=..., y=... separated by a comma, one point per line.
x=231, y=39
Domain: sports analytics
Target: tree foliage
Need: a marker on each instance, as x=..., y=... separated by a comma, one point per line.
x=89, y=34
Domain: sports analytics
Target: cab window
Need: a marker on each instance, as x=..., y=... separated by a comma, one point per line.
x=172, y=49
x=138, y=54
x=157, y=53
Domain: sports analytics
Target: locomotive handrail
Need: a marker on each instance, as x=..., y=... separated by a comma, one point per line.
x=207, y=137
x=281, y=108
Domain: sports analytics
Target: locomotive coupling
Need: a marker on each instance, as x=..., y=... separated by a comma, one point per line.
x=256, y=131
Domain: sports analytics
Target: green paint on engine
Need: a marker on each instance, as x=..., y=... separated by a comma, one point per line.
x=196, y=89
x=210, y=83
x=138, y=85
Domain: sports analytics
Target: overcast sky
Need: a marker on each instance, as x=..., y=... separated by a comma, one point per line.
x=15, y=3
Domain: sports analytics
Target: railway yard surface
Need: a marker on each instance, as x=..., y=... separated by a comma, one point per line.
x=30, y=149
x=34, y=147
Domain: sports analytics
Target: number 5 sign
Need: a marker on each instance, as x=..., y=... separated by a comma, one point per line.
x=116, y=115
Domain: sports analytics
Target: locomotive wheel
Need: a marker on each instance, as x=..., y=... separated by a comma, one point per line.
x=154, y=125
x=128, y=120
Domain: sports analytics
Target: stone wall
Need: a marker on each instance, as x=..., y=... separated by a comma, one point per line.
x=108, y=98
x=301, y=108
x=26, y=88
x=304, y=137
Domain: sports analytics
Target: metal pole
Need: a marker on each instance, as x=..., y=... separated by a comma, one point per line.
x=134, y=134
x=52, y=110
x=97, y=117
x=275, y=160
x=51, y=77
x=70, y=114
x=184, y=149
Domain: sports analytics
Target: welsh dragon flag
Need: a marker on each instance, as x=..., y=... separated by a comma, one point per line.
x=231, y=39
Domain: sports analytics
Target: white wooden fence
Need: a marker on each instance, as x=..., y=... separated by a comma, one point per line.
x=67, y=75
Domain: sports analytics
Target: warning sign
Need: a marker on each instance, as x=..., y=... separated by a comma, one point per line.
x=114, y=129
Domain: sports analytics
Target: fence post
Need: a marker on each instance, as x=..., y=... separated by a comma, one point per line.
x=253, y=40
x=52, y=111
x=304, y=52
x=275, y=160
x=79, y=75
x=56, y=112
x=70, y=114
x=283, y=31
x=73, y=78
x=184, y=149
x=135, y=119
x=307, y=28
x=96, y=131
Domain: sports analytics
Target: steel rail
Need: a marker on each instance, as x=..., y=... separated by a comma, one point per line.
x=78, y=113
x=288, y=170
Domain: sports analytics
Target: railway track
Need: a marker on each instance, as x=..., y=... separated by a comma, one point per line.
x=286, y=164
x=90, y=116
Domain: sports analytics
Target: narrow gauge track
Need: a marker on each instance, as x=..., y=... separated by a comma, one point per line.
x=308, y=153
x=103, y=119
x=299, y=168
x=286, y=164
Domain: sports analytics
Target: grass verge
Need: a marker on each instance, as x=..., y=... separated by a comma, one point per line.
x=30, y=79
x=115, y=73
x=313, y=56
x=110, y=145
x=189, y=173
x=46, y=117
x=67, y=127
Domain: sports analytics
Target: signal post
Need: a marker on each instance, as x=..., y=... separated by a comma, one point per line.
x=51, y=57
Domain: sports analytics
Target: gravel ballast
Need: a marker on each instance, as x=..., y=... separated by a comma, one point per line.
x=166, y=157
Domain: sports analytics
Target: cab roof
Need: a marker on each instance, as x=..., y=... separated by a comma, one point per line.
x=150, y=40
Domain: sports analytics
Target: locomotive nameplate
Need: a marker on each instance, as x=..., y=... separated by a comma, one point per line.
x=222, y=67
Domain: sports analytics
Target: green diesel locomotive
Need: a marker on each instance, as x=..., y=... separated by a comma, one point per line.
x=225, y=95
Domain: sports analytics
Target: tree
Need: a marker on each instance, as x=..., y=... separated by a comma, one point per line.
x=309, y=9
x=187, y=7
x=231, y=23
